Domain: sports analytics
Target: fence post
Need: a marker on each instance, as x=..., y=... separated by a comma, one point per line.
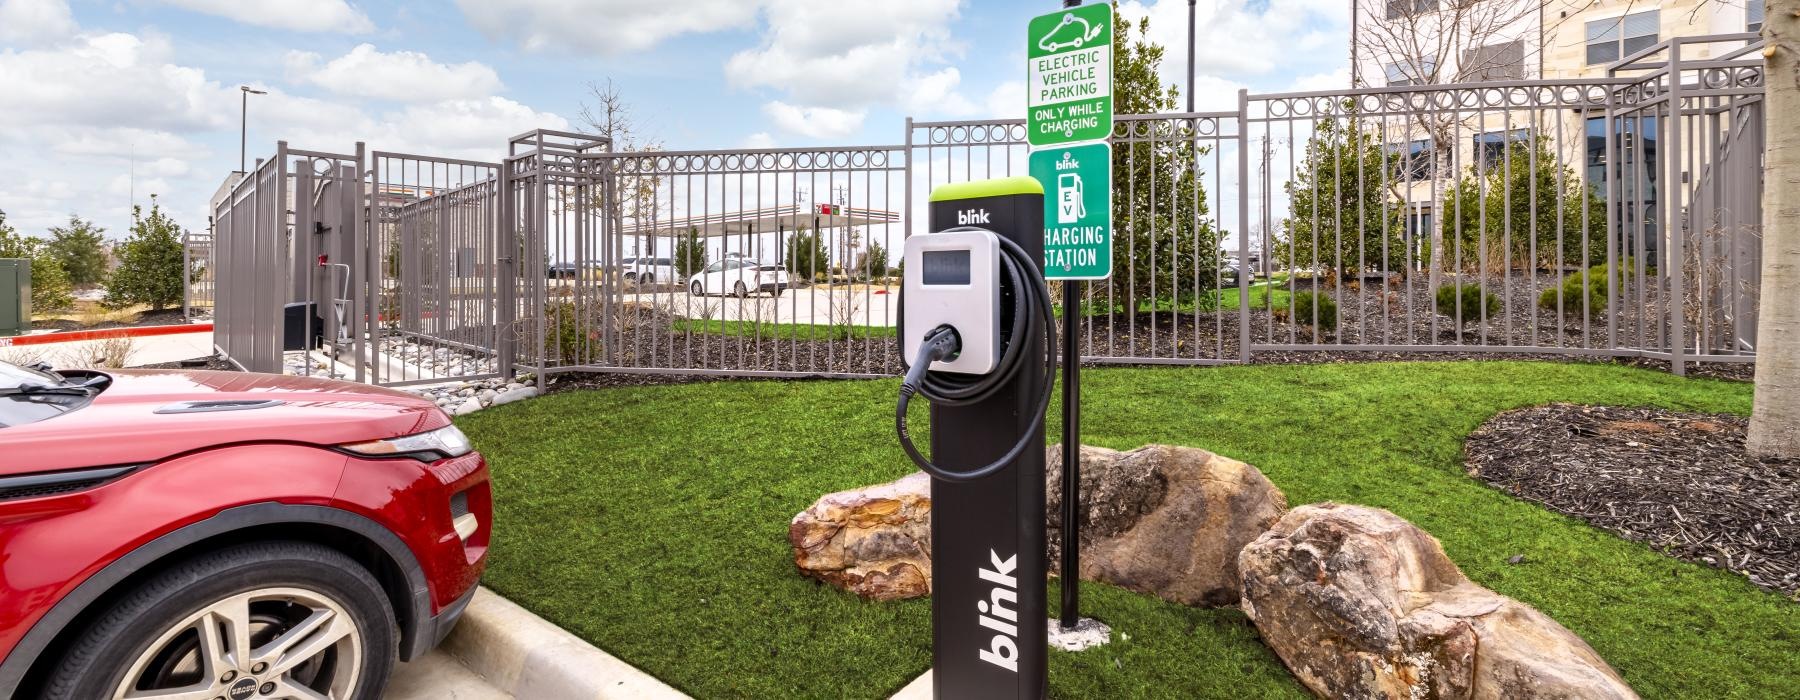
x=1672, y=218
x=1243, y=128
x=505, y=274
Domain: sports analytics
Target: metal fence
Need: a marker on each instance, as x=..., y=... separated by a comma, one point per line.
x=1615, y=217
x=197, y=296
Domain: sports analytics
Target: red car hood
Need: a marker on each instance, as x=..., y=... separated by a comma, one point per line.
x=121, y=425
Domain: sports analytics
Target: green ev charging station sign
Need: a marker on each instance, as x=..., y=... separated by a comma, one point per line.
x=1069, y=117
x=1077, y=210
x=1069, y=90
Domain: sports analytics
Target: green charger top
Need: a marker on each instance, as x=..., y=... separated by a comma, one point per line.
x=997, y=187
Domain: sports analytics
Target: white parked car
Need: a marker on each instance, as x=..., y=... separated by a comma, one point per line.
x=648, y=271
x=739, y=276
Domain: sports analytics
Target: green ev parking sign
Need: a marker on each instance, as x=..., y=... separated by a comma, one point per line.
x=1069, y=57
x=1077, y=210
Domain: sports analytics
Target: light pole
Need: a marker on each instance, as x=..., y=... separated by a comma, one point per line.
x=1190, y=75
x=244, y=122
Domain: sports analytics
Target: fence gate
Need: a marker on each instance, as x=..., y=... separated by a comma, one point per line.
x=434, y=264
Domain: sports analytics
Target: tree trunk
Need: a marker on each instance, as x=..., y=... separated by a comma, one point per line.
x=1775, y=420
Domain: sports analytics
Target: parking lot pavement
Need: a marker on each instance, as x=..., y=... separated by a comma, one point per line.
x=439, y=676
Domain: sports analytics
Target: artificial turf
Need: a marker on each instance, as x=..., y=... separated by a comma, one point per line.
x=652, y=521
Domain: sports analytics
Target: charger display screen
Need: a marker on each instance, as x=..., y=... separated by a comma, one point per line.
x=945, y=266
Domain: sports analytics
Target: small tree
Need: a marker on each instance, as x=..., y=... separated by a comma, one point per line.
x=149, y=269
x=806, y=254
x=50, y=291
x=874, y=262
x=690, y=254
x=81, y=248
x=1512, y=213
x=1162, y=227
x=1342, y=218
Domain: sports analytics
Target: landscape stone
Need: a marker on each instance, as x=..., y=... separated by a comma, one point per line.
x=874, y=541
x=1165, y=520
x=1362, y=604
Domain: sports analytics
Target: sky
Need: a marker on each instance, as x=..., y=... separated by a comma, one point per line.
x=104, y=104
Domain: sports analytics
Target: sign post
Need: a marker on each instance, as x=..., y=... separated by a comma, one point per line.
x=1069, y=116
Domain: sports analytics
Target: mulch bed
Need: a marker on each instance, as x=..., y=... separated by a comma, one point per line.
x=166, y=317
x=1680, y=482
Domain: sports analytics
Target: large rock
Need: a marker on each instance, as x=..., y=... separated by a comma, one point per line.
x=1362, y=604
x=874, y=542
x=1167, y=521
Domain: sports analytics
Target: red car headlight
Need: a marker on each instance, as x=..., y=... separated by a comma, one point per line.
x=442, y=443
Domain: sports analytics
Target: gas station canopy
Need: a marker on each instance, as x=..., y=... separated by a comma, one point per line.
x=777, y=219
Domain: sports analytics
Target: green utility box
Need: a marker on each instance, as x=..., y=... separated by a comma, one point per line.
x=15, y=296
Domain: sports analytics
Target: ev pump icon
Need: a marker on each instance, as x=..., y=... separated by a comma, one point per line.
x=1071, y=207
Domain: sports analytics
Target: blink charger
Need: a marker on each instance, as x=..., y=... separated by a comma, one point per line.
x=953, y=279
x=978, y=336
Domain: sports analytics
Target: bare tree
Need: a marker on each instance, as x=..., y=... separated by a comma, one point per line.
x=1775, y=418
x=1439, y=42
x=609, y=115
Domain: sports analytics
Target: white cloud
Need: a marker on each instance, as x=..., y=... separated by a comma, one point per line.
x=466, y=128
x=34, y=21
x=844, y=52
x=106, y=80
x=830, y=60
x=606, y=27
x=400, y=75
x=297, y=15
x=1008, y=99
x=1240, y=41
x=759, y=141
x=815, y=122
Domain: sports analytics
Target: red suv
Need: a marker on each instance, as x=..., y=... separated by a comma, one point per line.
x=210, y=535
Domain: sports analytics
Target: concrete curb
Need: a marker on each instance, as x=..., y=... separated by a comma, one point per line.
x=526, y=656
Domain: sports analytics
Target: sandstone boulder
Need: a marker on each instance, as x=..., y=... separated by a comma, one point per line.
x=1362, y=604
x=874, y=542
x=1163, y=520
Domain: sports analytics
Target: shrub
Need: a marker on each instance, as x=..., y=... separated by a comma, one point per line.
x=1304, y=302
x=1467, y=303
x=150, y=267
x=1566, y=297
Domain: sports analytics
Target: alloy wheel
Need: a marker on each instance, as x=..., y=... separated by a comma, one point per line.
x=267, y=643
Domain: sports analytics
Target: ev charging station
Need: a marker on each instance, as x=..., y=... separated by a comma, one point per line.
x=978, y=335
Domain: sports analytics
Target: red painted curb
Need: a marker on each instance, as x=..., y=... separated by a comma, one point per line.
x=138, y=332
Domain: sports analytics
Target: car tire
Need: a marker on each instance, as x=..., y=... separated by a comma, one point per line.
x=776, y=293
x=696, y=290
x=295, y=577
x=647, y=280
x=741, y=290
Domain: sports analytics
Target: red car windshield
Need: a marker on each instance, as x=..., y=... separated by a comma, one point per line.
x=29, y=395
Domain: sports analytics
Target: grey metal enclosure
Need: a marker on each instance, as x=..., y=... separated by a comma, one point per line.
x=1615, y=217
x=15, y=296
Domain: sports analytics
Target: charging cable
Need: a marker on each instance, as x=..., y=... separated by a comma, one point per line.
x=1032, y=316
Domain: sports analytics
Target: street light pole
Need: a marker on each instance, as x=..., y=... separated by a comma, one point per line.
x=1190, y=75
x=244, y=122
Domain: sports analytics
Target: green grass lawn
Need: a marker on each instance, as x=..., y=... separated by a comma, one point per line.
x=652, y=521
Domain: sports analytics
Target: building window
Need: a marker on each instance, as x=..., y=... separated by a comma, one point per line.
x=1490, y=148
x=1412, y=161
x=1402, y=74
x=1609, y=40
x=1495, y=62
x=1397, y=9
x=1633, y=164
x=1753, y=15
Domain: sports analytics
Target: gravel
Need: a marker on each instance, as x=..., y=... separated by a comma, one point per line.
x=1680, y=482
